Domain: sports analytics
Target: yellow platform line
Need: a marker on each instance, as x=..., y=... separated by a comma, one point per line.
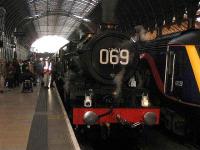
x=56, y=117
x=195, y=62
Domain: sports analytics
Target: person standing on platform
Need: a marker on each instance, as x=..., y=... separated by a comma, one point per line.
x=39, y=70
x=16, y=72
x=9, y=75
x=53, y=72
x=21, y=70
x=2, y=75
x=47, y=73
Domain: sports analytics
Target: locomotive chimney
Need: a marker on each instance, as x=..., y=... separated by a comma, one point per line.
x=108, y=14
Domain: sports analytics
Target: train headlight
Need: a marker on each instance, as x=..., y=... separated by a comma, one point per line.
x=145, y=101
x=88, y=101
x=88, y=98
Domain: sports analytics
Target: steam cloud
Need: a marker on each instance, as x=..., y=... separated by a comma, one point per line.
x=140, y=33
x=118, y=80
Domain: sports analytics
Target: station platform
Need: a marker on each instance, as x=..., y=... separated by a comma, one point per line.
x=34, y=121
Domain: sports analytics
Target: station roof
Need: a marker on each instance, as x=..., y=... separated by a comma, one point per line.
x=61, y=17
x=15, y=13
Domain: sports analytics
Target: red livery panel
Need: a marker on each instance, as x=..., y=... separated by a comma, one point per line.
x=131, y=115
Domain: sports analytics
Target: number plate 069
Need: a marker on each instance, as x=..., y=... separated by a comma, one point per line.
x=114, y=56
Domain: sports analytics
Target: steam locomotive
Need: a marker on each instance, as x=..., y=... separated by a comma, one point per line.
x=106, y=82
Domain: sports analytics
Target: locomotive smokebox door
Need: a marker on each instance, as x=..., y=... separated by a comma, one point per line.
x=109, y=54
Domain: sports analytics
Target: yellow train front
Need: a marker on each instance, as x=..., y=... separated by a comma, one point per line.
x=177, y=57
x=182, y=74
x=105, y=82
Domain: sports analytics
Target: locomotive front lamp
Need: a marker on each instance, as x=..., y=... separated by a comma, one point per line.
x=145, y=101
x=88, y=101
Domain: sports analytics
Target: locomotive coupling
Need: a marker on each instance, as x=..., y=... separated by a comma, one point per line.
x=126, y=123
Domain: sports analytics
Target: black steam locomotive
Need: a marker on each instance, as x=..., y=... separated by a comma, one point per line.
x=106, y=83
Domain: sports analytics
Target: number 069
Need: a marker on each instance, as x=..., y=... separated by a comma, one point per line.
x=114, y=56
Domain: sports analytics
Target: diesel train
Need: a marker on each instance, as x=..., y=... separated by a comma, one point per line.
x=177, y=57
x=106, y=82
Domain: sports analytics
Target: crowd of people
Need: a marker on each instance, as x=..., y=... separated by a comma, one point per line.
x=16, y=72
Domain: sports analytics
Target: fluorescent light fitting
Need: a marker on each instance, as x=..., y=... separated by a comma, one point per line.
x=198, y=19
x=79, y=17
x=86, y=20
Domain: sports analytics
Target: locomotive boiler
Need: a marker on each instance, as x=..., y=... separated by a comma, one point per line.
x=104, y=82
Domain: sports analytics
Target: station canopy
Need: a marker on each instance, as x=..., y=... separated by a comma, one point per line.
x=71, y=18
x=59, y=17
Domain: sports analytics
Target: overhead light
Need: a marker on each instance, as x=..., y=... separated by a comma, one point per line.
x=173, y=19
x=32, y=17
x=32, y=1
x=95, y=1
x=37, y=15
x=198, y=19
x=163, y=22
x=28, y=17
x=132, y=39
x=145, y=101
x=86, y=20
x=81, y=18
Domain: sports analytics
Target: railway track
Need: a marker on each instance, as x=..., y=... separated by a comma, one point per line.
x=150, y=139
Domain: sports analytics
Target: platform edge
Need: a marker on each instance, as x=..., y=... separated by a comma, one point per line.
x=73, y=137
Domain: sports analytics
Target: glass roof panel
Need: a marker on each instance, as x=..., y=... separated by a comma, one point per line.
x=59, y=17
